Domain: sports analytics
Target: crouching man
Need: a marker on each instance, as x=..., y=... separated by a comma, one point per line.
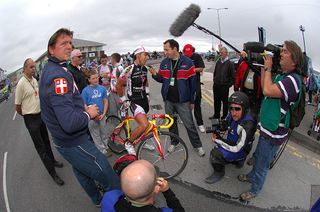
x=241, y=128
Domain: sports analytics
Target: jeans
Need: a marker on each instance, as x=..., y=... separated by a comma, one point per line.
x=185, y=113
x=263, y=156
x=98, y=131
x=90, y=165
x=39, y=134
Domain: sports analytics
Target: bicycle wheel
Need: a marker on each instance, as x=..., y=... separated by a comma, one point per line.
x=173, y=163
x=115, y=135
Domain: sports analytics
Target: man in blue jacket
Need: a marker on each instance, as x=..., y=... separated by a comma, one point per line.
x=63, y=112
x=177, y=75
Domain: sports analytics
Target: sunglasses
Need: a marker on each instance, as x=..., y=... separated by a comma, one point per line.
x=235, y=108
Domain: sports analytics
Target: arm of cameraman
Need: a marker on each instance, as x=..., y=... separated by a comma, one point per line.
x=269, y=88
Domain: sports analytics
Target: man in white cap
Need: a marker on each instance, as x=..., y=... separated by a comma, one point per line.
x=74, y=68
x=133, y=85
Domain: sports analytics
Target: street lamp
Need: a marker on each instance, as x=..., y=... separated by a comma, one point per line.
x=302, y=29
x=218, y=9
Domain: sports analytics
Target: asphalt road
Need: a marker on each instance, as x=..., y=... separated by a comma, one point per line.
x=30, y=188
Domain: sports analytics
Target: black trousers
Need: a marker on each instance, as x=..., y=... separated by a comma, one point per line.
x=220, y=94
x=197, y=107
x=39, y=135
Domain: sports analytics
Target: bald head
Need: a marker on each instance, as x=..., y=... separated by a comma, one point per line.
x=138, y=180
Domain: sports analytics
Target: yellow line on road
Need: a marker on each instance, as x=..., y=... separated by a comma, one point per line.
x=207, y=98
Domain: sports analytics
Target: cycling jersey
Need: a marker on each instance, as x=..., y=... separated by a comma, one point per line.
x=137, y=88
x=136, y=82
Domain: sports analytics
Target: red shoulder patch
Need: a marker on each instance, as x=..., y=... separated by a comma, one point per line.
x=61, y=85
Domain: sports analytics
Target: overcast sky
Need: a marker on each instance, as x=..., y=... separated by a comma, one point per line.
x=26, y=25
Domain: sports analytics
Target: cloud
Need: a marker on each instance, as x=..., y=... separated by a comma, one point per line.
x=26, y=25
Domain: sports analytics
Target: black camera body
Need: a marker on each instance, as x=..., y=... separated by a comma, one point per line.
x=217, y=126
x=256, y=50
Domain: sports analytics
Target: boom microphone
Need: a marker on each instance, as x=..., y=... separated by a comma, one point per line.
x=185, y=20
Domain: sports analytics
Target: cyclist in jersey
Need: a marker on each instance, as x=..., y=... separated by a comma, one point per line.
x=133, y=85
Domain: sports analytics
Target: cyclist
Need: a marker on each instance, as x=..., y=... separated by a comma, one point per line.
x=134, y=81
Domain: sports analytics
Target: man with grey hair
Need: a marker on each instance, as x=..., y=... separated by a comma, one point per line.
x=223, y=79
x=139, y=190
x=74, y=68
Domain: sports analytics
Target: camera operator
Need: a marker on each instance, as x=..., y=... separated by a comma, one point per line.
x=240, y=136
x=249, y=81
x=280, y=92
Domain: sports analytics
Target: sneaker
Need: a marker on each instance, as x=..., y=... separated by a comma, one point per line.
x=57, y=179
x=129, y=147
x=149, y=147
x=201, y=152
x=202, y=129
x=171, y=148
x=107, y=152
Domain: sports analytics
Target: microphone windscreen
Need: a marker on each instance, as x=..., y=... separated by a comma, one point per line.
x=185, y=20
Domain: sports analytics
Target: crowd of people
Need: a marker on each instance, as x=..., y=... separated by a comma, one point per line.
x=73, y=102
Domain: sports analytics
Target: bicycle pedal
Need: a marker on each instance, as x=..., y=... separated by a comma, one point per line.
x=116, y=148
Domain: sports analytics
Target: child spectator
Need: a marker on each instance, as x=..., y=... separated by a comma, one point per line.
x=95, y=94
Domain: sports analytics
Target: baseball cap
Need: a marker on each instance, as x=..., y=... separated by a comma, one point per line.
x=188, y=50
x=76, y=53
x=140, y=49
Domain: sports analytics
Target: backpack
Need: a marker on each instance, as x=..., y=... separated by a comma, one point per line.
x=297, y=110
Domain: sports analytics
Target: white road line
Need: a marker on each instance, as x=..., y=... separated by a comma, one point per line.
x=14, y=116
x=5, y=194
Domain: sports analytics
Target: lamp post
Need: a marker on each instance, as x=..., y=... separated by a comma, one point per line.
x=218, y=9
x=302, y=29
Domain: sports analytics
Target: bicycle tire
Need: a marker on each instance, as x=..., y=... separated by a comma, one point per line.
x=173, y=163
x=112, y=122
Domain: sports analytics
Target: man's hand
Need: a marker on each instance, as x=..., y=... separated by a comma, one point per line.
x=151, y=70
x=243, y=54
x=213, y=137
x=163, y=184
x=101, y=117
x=267, y=62
x=93, y=111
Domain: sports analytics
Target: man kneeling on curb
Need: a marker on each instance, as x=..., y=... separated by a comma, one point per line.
x=240, y=136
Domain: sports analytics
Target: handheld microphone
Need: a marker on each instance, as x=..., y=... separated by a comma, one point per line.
x=185, y=20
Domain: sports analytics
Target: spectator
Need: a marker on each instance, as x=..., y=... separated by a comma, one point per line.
x=311, y=86
x=114, y=106
x=223, y=79
x=189, y=51
x=104, y=70
x=95, y=94
x=140, y=190
x=280, y=92
x=248, y=81
x=67, y=120
x=177, y=76
x=75, y=68
x=28, y=105
x=238, y=142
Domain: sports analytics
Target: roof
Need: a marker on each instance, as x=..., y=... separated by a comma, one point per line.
x=85, y=43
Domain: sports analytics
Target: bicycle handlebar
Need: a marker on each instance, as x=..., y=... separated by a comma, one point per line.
x=169, y=120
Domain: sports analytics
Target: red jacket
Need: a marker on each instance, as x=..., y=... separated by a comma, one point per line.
x=241, y=74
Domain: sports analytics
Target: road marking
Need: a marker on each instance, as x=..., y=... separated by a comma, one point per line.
x=207, y=98
x=14, y=116
x=5, y=193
